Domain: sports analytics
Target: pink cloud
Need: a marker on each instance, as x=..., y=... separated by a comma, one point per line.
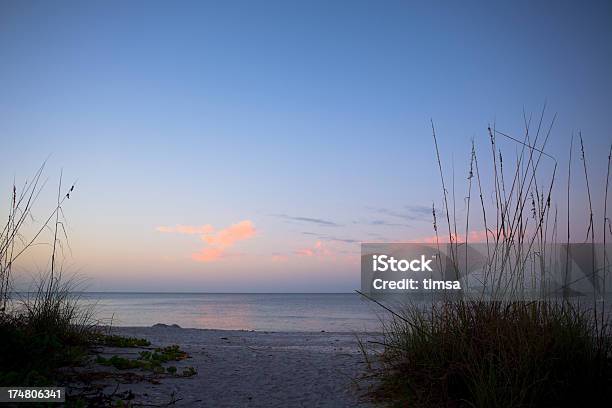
x=187, y=229
x=279, y=258
x=304, y=252
x=319, y=249
x=218, y=241
x=227, y=237
x=208, y=254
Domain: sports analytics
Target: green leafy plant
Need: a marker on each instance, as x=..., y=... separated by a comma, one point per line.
x=150, y=360
x=121, y=341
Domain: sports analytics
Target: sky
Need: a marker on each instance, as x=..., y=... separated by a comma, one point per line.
x=244, y=146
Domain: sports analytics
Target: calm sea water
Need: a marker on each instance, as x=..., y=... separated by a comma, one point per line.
x=272, y=312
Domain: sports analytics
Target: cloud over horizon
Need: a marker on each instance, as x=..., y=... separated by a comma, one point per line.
x=318, y=221
x=407, y=213
x=228, y=236
x=218, y=242
x=319, y=249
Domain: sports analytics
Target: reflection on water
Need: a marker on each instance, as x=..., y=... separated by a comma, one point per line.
x=274, y=312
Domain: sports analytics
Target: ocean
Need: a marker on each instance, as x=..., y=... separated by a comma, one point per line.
x=342, y=312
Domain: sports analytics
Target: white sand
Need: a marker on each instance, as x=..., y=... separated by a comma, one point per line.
x=255, y=369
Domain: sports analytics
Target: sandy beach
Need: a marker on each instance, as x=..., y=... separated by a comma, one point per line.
x=249, y=369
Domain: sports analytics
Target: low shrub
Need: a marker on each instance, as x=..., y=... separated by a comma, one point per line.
x=496, y=354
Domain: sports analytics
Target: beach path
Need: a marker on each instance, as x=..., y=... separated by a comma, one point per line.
x=255, y=369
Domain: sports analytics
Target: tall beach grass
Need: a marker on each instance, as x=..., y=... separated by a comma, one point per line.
x=46, y=327
x=503, y=347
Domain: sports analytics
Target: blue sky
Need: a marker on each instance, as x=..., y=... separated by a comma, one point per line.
x=310, y=120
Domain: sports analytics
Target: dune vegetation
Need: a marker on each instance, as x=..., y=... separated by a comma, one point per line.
x=46, y=327
x=503, y=347
x=47, y=331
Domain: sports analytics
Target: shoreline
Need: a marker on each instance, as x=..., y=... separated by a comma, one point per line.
x=163, y=326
